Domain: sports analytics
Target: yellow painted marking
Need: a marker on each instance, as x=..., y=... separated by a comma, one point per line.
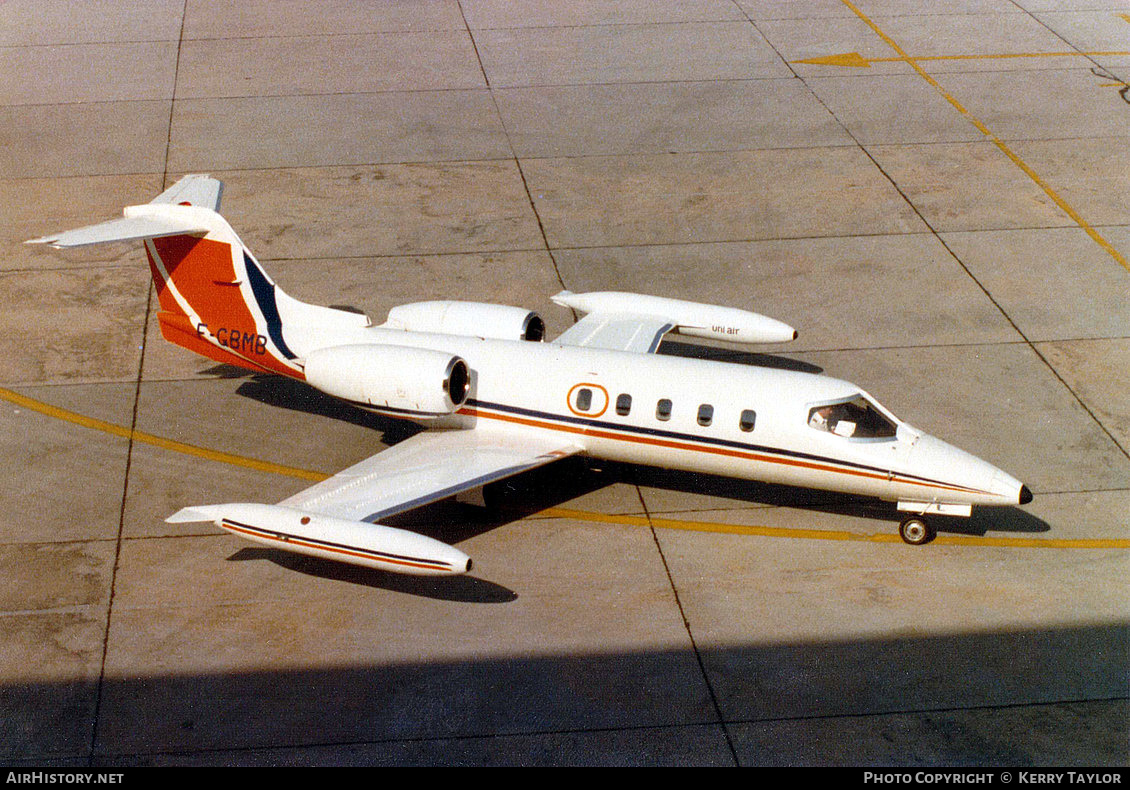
x=557, y=512
x=1125, y=16
x=999, y=143
x=847, y=59
x=855, y=60
x=157, y=441
x=827, y=534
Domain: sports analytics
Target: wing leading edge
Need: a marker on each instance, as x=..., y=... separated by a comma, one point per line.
x=426, y=468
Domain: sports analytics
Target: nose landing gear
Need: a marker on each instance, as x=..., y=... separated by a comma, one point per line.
x=916, y=531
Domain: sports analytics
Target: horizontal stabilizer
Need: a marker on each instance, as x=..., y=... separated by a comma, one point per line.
x=317, y=535
x=189, y=515
x=125, y=229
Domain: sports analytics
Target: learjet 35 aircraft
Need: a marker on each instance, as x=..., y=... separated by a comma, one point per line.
x=500, y=400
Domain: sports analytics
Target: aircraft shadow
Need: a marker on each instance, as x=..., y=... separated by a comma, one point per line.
x=735, y=356
x=461, y=589
x=557, y=484
x=514, y=498
x=1003, y=697
x=983, y=519
x=293, y=395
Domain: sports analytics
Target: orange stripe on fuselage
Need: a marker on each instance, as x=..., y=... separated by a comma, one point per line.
x=675, y=445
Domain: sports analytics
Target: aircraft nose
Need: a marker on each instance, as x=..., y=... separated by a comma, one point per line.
x=1009, y=489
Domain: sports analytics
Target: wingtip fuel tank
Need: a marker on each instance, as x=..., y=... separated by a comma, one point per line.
x=693, y=319
x=353, y=542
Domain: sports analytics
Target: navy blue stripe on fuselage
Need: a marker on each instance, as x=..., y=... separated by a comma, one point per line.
x=264, y=291
x=708, y=440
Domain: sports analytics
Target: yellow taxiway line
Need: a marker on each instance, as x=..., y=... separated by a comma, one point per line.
x=157, y=441
x=855, y=60
x=827, y=534
x=74, y=418
x=1076, y=217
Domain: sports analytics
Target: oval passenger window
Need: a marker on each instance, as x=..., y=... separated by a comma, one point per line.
x=584, y=399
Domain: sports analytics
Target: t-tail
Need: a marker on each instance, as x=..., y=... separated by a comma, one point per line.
x=215, y=299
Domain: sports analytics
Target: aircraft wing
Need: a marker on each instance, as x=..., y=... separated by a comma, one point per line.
x=618, y=332
x=425, y=468
x=620, y=321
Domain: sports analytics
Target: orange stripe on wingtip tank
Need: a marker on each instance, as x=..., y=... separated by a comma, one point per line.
x=372, y=556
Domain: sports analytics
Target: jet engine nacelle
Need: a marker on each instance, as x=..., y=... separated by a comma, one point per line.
x=469, y=319
x=412, y=382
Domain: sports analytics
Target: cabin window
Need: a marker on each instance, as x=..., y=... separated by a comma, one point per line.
x=623, y=404
x=705, y=415
x=747, y=420
x=856, y=418
x=663, y=409
x=584, y=399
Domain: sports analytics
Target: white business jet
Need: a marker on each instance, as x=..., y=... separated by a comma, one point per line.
x=501, y=401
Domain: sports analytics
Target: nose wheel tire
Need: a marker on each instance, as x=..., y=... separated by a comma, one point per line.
x=916, y=531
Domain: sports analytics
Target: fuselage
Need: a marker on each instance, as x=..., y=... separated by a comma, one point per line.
x=742, y=421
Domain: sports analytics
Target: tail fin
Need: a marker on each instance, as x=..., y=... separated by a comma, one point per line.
x=215, y=298
x=194, y=190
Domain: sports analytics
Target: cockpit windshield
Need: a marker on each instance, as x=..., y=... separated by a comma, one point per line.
x=856, y=418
